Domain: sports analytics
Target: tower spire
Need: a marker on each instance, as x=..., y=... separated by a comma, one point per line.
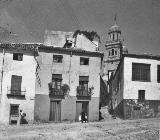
x=115, y=19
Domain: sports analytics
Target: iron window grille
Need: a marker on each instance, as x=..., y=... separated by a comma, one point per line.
x=141, y=72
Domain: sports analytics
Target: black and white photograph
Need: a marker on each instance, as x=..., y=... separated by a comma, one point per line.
x=79, y=69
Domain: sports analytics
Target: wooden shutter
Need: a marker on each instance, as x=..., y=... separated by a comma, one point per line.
x=16, y=82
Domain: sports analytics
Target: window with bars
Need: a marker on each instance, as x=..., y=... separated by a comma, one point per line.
x=158, y=73
x=141, y=72
x=57, y=58
x=141, y=95
x=18, y=56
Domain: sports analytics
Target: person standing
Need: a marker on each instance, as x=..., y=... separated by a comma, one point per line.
x=19, y=117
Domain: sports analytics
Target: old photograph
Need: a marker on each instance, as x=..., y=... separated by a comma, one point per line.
x=79, y=69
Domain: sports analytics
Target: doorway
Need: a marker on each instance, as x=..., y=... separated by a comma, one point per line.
x=55, y=111
x=14, y=113
x=81, y=106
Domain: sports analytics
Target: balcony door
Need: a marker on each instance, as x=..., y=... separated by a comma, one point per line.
x=55, y=111
x=16, y=82
x=81, y=106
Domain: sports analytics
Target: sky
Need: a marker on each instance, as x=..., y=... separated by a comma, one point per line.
x=26, y=20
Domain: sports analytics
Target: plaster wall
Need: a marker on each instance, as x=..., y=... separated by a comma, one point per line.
x=26, y=69
x=152, y=88
x=56, y=38
x=84, y=43
x=70, y=69
x=68, y=108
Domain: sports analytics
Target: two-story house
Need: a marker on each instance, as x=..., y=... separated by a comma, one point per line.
x=80, y=71
x=17, y=81
x=135, y=87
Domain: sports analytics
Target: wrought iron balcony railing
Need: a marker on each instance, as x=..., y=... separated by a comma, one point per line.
x=12, y=93
x=83, y=93
x=56, y=93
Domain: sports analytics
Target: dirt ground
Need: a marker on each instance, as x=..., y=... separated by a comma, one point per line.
x=145, y=129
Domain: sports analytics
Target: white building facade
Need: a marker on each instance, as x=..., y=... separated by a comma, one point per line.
x=18, y=78
x=135, y=87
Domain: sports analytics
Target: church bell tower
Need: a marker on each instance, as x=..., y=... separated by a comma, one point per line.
x=113, y=50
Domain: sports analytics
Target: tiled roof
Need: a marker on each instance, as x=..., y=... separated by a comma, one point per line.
x=32, y=47
x=41, y=47
x=70, y=50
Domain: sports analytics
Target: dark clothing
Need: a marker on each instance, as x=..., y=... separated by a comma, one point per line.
x=23, y=120
x=83, y=117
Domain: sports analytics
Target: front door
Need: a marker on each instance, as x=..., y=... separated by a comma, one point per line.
x=81, y=106
x=14, y=113
x=55, y=111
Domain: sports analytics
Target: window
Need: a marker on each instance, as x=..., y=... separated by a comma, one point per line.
x=109, y=53
x=57, y=58
x=115, y=52
x=158, y=73
x=56, y=81
x=18, y=56
x=84, y=61
x=140, y=72
x=112, y=51
x=141, y=94
x=83, y=84
x=16, y=84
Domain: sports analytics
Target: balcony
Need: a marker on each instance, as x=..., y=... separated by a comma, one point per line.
x=17, y=94
x=83, y=94
x=56, y=93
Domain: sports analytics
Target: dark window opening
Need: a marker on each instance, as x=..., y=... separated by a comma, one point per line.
x=112, y=51
x=140, y=72
x=109, y=53
x=57, y=58
x=115, y=52
x=84, y=61
x=18, y=56
x=56, y=81
x=158, y=73
x=141, y=95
